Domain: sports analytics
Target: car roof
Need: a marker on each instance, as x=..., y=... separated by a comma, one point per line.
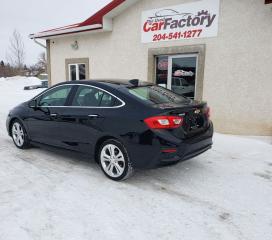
x=113, y=83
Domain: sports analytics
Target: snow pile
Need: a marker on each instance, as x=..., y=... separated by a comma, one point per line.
x=13, y=93
x=21, y=80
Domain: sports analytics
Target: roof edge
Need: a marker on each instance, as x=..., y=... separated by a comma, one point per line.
x=99, y=20
x=51, y=33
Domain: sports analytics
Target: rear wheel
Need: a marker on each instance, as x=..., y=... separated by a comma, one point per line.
x=114, y=160
x=19, y=135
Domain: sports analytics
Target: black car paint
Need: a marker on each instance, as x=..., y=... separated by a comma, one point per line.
x=72, y=128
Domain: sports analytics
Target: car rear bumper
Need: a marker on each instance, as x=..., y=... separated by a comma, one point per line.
x=189, y=150
x=154, y=157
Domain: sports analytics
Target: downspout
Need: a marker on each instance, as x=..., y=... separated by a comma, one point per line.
x=47, y=47
x=39, y=43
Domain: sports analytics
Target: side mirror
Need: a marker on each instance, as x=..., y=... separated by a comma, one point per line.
x=33, y=104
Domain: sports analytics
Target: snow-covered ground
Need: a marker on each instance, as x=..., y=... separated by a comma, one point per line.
x=12, y=92
x=226, y=193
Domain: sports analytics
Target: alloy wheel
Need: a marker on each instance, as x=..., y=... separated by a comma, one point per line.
x=18, y=134
x=112, y=160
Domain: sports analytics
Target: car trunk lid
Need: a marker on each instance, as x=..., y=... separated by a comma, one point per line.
x=195, y=117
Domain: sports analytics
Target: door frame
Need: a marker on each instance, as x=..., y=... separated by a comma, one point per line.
x=199, y=49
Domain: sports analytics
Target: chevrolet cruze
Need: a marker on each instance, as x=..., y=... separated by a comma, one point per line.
x=122, y=125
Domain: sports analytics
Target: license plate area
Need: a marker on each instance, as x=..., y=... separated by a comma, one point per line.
x=194, y=120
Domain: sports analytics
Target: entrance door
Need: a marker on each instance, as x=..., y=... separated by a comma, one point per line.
x=178, y=73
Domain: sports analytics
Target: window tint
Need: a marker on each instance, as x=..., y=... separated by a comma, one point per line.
x=109, y=101
x=156, y=95
x=93, y=97
x=55, y=97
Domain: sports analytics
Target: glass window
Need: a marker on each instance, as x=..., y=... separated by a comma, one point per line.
x=162, y=70
x=93, y=97
x=156, y=95
x=55, y=97
x=182, y=76
x=77, y=71
x=82, y=71
x=109, y=101
x=73, y=74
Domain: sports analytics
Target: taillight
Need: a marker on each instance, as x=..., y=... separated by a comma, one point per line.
x=164, y=122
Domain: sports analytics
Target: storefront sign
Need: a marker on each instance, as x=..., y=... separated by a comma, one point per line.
x=192, y=20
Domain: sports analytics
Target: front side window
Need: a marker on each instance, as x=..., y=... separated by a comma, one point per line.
x=55, y=97
x=77, y=71
x=92, y=97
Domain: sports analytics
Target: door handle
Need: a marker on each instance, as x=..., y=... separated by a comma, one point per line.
x=93, y=115
x=53, y=115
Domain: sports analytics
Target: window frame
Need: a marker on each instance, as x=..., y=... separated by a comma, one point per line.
x=77, y=61
x=72, y=94
x=77, y=71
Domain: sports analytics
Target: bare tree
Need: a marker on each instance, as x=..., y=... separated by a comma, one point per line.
x=39, y=67
x=42, y=63
x=16, y=54
x=6, y=70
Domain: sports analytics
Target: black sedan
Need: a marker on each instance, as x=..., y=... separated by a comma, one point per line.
x=122, y=125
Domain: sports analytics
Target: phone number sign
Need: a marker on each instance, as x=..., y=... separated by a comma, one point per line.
x=191, y=20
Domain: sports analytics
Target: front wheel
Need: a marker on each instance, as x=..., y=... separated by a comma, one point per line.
x=114, y=160
x=19, y=135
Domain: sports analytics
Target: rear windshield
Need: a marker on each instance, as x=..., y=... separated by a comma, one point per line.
x=156, y=95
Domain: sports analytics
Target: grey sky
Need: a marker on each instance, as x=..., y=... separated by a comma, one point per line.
x=31, y=16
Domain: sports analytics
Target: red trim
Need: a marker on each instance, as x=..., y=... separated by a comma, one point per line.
x=97, y=18
x=268, y=1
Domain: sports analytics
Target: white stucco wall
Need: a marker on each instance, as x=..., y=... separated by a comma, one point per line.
x=238, y=65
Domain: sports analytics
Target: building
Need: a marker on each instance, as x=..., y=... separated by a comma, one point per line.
x=214, y=50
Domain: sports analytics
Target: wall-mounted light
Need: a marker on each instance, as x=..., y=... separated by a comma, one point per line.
x=74, y=45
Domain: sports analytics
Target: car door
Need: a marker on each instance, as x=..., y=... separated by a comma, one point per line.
x=87, y=111
x=43, y=121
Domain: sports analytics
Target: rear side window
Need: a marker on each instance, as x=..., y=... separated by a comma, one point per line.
x=92, y=97
x=156, y=95
x=55, y=97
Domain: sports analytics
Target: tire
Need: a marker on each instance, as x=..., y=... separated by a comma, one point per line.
x=19, y=135
x=114, y=160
